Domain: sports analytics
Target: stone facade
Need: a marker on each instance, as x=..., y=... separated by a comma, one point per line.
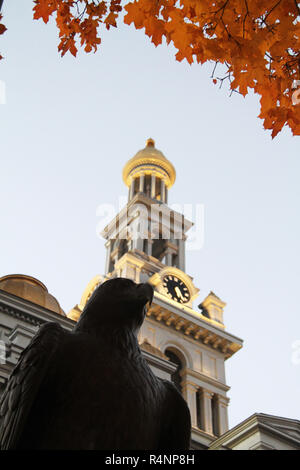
x=186, y=345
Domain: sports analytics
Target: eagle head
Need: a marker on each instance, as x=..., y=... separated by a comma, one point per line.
x=118, y=302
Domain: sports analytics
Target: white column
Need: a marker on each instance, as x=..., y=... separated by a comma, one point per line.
x=153, y=181
x=108, y=248
x=189, y=393
x=168, y=257
x=139, y=244
x=206, y=410
x=162, y=190
x=131, y=190
x=129, y=244
x=149, y=246
x=222, y=404
x=137, y=275
x=137, y=241
x=142, y=179
x=181, y=254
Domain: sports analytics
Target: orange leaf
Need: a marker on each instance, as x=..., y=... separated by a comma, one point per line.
x=43, y=9
x=2, y=28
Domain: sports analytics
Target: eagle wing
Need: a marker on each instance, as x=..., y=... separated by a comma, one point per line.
x=176, y=426
x=24, y=383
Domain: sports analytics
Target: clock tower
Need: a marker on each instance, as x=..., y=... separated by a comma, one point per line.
x=145, y=242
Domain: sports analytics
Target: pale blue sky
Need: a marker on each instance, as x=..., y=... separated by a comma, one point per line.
x=68, y=128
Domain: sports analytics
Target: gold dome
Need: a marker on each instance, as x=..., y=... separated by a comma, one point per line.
x=149, y=160
x=31, y=289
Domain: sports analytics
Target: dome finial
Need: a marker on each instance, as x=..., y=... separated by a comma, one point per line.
x=148, y=161
x=150, y=143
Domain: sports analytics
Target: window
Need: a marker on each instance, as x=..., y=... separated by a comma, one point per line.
x=122, y=248
x=158, y=189
x=147, y=189
x=199, y=409
x=175, y=259
x=215, y=415
x=175, y=377
x=159, y=248
x=136, y=187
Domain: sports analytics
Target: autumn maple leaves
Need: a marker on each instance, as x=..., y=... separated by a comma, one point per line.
x=78, y=20
x=258, y=41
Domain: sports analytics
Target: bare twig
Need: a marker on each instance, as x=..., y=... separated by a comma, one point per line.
x=244, y=20
x=273, y=8
x=213, y=72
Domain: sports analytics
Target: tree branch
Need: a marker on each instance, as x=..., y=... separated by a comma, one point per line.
x=272, y=9
x=245, y=17
x=297, y=6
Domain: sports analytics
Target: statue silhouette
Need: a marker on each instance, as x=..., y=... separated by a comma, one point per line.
x=91, y=388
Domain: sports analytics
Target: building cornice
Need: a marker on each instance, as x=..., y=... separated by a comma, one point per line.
x=29, y=312
x=206, y=380
x=126, y=215
x=188, y=322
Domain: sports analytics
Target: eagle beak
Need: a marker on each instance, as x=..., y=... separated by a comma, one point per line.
x=146, y=291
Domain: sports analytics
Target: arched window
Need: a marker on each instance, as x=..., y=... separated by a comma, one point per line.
x=175, y=377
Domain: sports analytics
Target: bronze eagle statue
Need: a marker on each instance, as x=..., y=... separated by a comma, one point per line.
x=91, y=388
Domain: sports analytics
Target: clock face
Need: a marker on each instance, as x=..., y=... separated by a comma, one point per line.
x=176, y=289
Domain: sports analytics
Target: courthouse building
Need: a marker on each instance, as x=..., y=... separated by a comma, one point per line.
x=182, y=341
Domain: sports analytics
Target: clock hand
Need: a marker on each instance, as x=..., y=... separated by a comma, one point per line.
x=178, y=292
